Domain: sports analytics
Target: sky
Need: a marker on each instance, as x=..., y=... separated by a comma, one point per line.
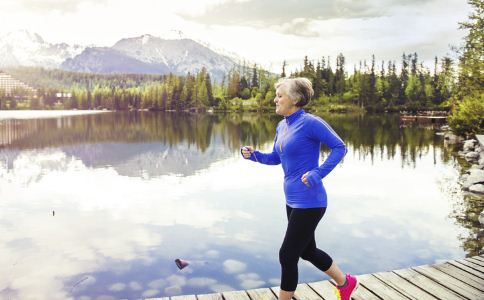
x=265, y=32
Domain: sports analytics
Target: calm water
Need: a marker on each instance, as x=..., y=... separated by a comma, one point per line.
x=100, y=206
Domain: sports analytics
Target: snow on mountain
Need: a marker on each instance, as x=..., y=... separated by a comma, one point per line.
x=152, y=54
x=171, y=52
x=29, y=49
x=109, y=60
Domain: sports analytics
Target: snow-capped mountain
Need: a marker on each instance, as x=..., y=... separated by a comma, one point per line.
x=146, y=54
x=180, y=56
x=22, y=48
x=109, y=60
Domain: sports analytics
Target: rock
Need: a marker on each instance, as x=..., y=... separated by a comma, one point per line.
x=481, y=217
x=445, y=128
x=469, y=145
x=462, y=153
x=477, y=188
x=440, y=133
x=452, y=138
x=475, y=176
x=472, y=156
x=475, y=167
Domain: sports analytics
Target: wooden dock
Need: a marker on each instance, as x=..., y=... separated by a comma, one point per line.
x=456, y=279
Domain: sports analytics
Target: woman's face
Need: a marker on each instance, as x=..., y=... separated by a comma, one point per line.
x=284, y=105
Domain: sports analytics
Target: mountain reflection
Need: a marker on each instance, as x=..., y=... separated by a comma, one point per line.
x=174, y=143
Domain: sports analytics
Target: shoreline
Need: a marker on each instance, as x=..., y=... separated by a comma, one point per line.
x=44, y=114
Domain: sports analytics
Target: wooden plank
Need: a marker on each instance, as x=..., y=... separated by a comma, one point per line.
x=216, y=296
x=324, y=289
x=451, y=283
x=275, y=290
x=261, y=294
x=235, y=295
x=379, y=288
x=470, y=265
x=428, y=285
x=479, y=258
x=185, y=297
x=403, y=286
x=304, y=292
x=475, y=261
x=362, y=293
x=466, y=268
x=462, y=275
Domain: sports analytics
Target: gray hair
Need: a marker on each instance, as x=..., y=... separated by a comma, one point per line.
x=299, y=89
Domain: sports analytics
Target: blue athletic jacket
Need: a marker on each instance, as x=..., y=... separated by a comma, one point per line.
x=296, y=147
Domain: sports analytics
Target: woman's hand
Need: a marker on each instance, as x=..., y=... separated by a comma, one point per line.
x=247, y=151
x=311, y=178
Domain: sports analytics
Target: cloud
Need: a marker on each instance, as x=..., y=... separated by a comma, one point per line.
x=218, y=288
x=117, y=287
x=234, y=266
x=135, y=286
x=201, y=281
x=64, y=6
x=283, y=13
x=250, y=281
x=157, y=284
x=298, y=26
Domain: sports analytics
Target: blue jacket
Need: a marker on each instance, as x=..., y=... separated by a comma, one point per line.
x=297, y=146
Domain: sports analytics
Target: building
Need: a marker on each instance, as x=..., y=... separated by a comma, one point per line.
x=10, y=86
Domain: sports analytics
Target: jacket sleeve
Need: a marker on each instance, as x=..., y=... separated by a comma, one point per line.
x=271, y=158
x=326, y=135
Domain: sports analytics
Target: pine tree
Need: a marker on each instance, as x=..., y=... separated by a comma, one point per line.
x=255, y=80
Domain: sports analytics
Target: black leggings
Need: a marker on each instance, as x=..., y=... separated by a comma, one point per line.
x=299, y=242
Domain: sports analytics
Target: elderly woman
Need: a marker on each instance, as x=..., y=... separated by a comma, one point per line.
x=297, y=146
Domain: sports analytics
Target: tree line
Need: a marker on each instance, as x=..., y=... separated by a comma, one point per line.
x=412, y=87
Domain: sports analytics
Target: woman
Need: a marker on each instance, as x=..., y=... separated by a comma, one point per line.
x=296, y=146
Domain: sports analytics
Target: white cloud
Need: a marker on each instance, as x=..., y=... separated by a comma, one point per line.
x=157, y=284
x=218, y=288
x=176, y=280
x=234, y=266
x=117, y=287
x=135, y=286
x=250, y=281
x=150, y=293
x=201, y=281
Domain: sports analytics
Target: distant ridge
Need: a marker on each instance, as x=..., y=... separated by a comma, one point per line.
x=145, y=54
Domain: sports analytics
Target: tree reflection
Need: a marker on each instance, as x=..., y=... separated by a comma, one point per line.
x=190, y=139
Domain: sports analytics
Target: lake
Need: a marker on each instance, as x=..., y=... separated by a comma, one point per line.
x=99, y=206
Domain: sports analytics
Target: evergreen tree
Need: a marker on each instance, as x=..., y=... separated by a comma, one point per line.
x=255, y=80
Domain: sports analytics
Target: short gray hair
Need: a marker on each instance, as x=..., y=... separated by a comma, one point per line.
x=299, y=89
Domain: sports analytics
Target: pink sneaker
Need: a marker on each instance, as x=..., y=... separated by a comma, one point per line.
x=346, y=292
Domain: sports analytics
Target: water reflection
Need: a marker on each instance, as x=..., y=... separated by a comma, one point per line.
x=171, y=141
x=134, y=191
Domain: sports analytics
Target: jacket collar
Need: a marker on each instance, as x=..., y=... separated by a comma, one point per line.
x=292, y=118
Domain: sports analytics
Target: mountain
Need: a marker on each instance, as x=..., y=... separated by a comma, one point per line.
x=108, y=60
x=146, y=54
x=22, y=48
x=151, y=54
